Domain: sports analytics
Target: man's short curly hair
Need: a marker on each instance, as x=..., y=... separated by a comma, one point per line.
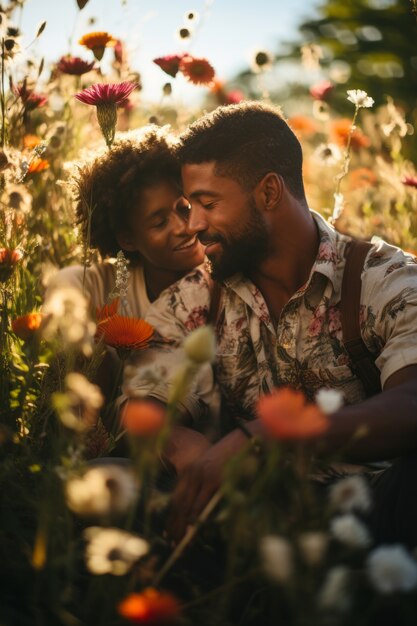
x=246, y=141
x=106, y=187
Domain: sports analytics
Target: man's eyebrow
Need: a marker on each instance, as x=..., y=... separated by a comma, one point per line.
x=203, y=192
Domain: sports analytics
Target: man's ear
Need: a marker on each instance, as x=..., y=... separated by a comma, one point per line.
x=269, y=191
x=125, y=242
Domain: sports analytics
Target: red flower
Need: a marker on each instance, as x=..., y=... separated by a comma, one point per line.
x=235, y=96
x=143, y=417
x=286, y=415
x=106, y=97
x=8, y=259
x=151, y=607
x=74, y=66
x=170, y=63
x=410, y=181
x=106, y=93
x=321, y=90
x=30, y=99
x=197, y=71
x=118, y=51
x=26, y=325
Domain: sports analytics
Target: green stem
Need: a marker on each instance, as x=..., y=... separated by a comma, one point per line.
x=3, y=116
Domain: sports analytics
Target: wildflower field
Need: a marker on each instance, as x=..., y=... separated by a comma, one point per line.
x=83, y=542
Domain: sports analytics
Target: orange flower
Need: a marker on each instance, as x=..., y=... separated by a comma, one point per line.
x=38, y=165
x=362, y=177
x=286, y=415
x=302, y=125
x=197, y=71
x=102, y=313
x=25, y=326
x=31, y=141
x=126, y=333
x=340, y=130
x=143, y=417
x=97, y=42
x=151, y=607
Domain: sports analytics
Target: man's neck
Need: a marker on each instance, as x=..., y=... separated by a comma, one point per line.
x=288, y=266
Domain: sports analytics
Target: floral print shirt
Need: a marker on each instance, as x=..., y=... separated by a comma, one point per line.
x=304, y=349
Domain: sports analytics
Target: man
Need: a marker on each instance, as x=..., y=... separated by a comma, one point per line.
x=280, y=266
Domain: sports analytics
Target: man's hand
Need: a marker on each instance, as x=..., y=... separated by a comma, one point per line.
x=183, y=447
x=199, y=481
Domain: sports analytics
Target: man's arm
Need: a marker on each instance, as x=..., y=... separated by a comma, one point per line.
x=390, y=421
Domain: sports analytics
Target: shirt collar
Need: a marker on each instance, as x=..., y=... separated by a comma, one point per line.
x=328, y=263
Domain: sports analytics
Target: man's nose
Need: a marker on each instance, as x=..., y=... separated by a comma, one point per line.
x=196, y=220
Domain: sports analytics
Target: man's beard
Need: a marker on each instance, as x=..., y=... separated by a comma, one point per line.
x=244, y=251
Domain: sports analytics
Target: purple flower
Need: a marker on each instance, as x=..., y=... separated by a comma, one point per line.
x=106, y=97
x=74, y=66
x=106, y=93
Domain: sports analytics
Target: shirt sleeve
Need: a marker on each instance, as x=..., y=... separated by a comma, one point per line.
x=180, y=309
x=390, y=313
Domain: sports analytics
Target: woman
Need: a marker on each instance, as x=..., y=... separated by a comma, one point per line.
x=129, y=199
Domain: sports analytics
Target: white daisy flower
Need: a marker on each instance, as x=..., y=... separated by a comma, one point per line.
x=313, y=546
x=78, y=407
x=276, y=557
x=350, y=531
x=329, y=400
x=334, y=594
x=68, y=319
x=104, y=490
x=327, y=154
x=391, y=569
x=360, y=98
x=112, y=551
x=350, y=493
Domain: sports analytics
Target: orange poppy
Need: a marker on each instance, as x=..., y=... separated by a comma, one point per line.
x=302, y=125
x=362, y=177
x=38, y=165
x=151, y=607
x=127, y=333
x=97, y=42
x=340, y=130
x=197, y=71
x=97, y=39
x=286, y=415
x=25, y=326
x=143, y=417
x=31, y=141
x=107, y=310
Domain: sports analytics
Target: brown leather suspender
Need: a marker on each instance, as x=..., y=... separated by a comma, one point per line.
x=363, y=361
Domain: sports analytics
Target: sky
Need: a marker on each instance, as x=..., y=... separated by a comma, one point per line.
x=227, y=31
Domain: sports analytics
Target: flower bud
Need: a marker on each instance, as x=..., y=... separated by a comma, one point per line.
x=200, y=345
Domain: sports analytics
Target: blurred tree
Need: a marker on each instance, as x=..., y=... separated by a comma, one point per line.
x=368, y=44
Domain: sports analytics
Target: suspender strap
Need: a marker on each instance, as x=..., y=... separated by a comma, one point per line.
x=363, y=361
x=213, y=314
